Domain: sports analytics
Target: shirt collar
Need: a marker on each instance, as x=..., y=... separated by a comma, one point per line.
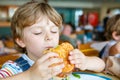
x=31, y=62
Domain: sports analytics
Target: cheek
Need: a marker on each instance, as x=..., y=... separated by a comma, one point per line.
x=35, y=46
x=56, y=41
x=56, y=38
x=119, y=38
x=32, y=42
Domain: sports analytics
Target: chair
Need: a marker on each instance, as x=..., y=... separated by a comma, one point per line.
x=4, y=58
x=88, y=50
x=80, y=35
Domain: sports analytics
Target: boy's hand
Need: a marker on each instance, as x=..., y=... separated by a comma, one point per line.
x=42, y=69
x=78, y=58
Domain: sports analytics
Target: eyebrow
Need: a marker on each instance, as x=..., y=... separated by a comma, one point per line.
x=34, y=28
x=37, y=26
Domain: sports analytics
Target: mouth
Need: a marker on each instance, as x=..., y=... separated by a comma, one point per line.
x=48, y=47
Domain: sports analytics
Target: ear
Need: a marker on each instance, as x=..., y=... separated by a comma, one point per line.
x=115, y=36
x=20, y=42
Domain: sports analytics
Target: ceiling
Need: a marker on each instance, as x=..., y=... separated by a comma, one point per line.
x=69, y=3
x=94, y=1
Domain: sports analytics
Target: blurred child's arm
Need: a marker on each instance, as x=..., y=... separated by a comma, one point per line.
x=86, y=63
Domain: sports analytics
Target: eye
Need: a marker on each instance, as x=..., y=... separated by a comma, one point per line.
x=54, y=31
x=38, y=33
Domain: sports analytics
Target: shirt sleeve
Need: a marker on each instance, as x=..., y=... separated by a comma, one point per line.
x=9, y=68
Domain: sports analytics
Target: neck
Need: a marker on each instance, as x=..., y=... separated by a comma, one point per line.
x=32, y=57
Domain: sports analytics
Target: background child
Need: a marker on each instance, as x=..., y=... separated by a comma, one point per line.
x=115, y=50
x=112, y=34
x=113, y=61
x=67, y=35
x=35, y=28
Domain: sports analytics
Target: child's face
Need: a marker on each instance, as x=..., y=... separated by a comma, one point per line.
x=40, y=36
x=67, y=30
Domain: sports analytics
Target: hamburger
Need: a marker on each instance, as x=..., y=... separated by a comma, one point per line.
x=63, y=51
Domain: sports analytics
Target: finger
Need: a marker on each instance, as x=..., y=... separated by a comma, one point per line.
x=76, y=51
x=80, y=66
x=56, y=69
x=51, y=61
x=76, y=54
x=76, y=61
x=57, y=72
x=47, y=56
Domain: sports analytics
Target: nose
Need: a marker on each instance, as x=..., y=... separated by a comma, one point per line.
x=48, y=37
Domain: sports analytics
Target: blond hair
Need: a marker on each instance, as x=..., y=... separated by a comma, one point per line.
x=28, y=14
x=113, y=24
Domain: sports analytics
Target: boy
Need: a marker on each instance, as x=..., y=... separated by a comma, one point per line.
x=112, y=34
x=113, y=61
x=67, y=35
x=35, y=28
